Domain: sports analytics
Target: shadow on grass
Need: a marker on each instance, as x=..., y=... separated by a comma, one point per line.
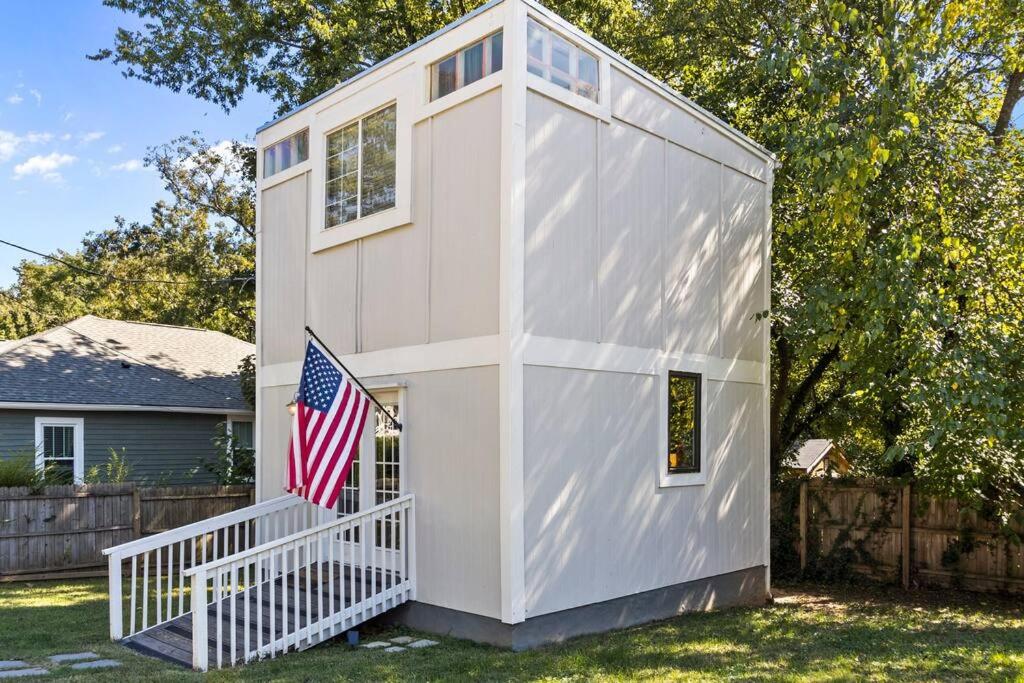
x=810, y=633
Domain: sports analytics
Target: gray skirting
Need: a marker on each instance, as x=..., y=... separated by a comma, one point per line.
x=743, y=587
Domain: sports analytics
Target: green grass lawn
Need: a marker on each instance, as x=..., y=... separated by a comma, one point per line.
x=810, y=633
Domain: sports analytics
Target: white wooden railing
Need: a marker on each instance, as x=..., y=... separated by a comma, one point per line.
x=318, y=582
x=170, y=554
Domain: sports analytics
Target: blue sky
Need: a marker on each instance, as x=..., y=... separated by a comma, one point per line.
x=73, y=132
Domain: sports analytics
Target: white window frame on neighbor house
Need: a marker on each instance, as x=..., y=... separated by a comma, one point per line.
x=229, y=426
x=78, y=423
x=398, y=91
x=700, y=477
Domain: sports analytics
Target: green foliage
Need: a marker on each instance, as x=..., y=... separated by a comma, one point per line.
x=204, y=238
x=898, y=266
x=116, y=470
x=247, y=378
x=20, y=470
x=232, y=463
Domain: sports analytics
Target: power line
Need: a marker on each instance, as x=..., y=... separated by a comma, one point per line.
x=52, y=320
x=117, y=278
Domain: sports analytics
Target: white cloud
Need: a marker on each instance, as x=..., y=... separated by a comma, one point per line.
x=92, y=136
x=70, y=115
x=33, y=138
x=11, y=143
x=129, y=166
x=65, y=137
x=36, y=94
x=44, y=166
x=15, y=98
x=114, y=149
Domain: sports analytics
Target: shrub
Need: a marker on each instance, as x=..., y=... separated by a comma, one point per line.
x=116, y=470
x=232, y=464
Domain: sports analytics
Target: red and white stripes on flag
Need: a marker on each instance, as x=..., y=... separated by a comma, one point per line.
x=329, y=418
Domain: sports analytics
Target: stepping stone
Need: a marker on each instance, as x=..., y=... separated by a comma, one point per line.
x=97, y=664
x=12, y=664
x=394, y=648
x=375, y=644
x=422, y=643
x=403, y=640
x=73, y=657
x=20, y=673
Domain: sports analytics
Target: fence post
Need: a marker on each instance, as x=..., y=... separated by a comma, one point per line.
x=114, y=590
x=907, y=521
x=803, y=525
x=136, y=512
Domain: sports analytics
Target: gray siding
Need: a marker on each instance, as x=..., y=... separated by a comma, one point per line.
x=161, y=447
x=597, y=524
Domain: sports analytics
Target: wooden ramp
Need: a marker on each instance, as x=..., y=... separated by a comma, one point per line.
x=172, y=641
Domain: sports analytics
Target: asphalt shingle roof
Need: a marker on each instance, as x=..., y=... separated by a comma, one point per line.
x=93, y=360
x=811, y=451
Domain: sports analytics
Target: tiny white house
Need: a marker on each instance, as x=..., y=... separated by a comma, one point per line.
x=549, y=266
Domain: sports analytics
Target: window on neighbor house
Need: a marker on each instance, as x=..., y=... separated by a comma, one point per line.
x=561, y=62
x=242, y=434
x=683, y=422
x=286, y=153
x=361, y=168
x=466, y=66
x=58, y=451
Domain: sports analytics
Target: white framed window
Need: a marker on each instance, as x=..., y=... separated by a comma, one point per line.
x=241, y=433
x=360, y=168
x=561, y=62
x=360, y=151
x=60, y=447
x=682, y=409
x=468, y=65
x=284, y=154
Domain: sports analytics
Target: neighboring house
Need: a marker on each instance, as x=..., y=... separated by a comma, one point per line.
x=550, y=265
x=157, y=392
x=819, y=458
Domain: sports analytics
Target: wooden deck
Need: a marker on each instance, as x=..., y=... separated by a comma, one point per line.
x=172, y=641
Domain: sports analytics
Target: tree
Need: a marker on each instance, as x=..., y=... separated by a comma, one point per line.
x=192, y=264
x=896, y=318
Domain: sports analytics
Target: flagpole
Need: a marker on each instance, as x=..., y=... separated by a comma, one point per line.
x=396, y=423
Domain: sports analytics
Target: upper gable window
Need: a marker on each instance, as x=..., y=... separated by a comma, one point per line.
x=361, y=168
x=466, y=66
x=285, y=153
x=560, y=61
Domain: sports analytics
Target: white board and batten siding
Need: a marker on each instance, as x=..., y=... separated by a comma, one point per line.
x=551, y=262
x=646, y=250
x=401, y=305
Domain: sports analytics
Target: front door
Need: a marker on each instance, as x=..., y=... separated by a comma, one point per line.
x=377, y=475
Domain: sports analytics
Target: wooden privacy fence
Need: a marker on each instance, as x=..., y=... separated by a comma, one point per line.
x=64, y=529
x=888, y=531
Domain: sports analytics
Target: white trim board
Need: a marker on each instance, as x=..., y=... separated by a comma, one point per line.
x=582, y=355
x=449, y=355
x=511, y=483
x=120, y=408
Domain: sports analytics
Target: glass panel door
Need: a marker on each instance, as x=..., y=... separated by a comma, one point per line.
x=377, y=479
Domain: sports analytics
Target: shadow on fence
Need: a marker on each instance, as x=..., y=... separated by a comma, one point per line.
x=63, y=529
x=884, y=530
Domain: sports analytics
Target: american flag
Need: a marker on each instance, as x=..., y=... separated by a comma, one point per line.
x=329, y=418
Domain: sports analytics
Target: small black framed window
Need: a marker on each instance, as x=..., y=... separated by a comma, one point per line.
x=684, y=418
